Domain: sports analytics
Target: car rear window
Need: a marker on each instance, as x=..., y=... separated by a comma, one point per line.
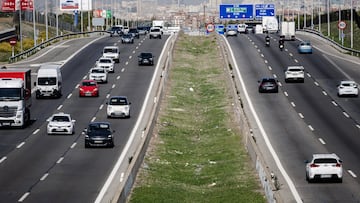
x=118, y=101
x=89, y=84
x=325, y=161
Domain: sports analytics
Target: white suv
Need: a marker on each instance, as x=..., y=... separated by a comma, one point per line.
x=324, y=166
x=61, y=123
x=294, y=73
x=98, y=74
x=106, y=63
x=112, y=52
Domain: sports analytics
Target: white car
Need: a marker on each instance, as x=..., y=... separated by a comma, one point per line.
x=294, y=73
x=118, y=106
x=98, y=74
x=231, y=32
x=242, y=28
x=61, y=123
x=106, y=63
x=347, y=88
x=324, y=166
x=112, y=52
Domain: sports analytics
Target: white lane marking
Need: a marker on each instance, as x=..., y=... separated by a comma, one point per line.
x=346, y=115
x=113, y=86
x=3, y=159
x=93, y=119
x=130, y=56
x=84, y=77
x=118, y=77
x=275, y=76
x=352, y=174
x=73, y=145
x=58, y=108
x=123, y=69
x=133, y=52
x=296, y=61
x=311, y=128
x=308, y=74
x=24, y=197
x=137, y=46
x=322, y=141
x=280, y=84
x=36, y=131
x=44, y=176
x=101, y=106
x=292, y=104
x=358, y=126
x=316, y=83
x=69, y=95
x=266, y=61
x=324, y=93
x=286, y=94
x=60, y=160
x=107, y=96
x=126, y=63
x=301, y=115
x=262, y=55
x=270, y=68
x=20, y=145
x=278, y=163
x=122, y=177
x=335, y=104
x=77, y=86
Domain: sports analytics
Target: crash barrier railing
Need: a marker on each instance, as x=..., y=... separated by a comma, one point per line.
x=353, y=52
x=269, y=180
x=7, y=34
x=49, y=42
x=120, y=181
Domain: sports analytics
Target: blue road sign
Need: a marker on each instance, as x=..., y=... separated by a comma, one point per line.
x=264, y=10
x=219, y=28
x=236, y=11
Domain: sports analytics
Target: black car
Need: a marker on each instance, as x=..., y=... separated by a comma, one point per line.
x=115, y=30
x=268, y=85
x=134, y=32
x=99, y=134
x=146, y=58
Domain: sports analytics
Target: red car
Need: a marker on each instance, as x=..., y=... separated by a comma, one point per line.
x=89, y=88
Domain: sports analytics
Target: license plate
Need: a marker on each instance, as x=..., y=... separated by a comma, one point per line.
x=98, y=141
x=325, y=176
x=88, y=94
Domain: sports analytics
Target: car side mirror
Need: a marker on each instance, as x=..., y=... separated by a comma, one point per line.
x=73, y=121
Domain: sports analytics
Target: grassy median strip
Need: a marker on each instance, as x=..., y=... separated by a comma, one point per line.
x=196, y=154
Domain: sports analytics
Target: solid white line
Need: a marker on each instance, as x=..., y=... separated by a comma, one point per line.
x=36, y=131
x=264, y=134
x=322, y=141
x=24, y=197
x=20, y=145
x=3, y=159
x=44, y=176
x=60, y=160
x=58, y=108
x=73, y=145
x=352, y=174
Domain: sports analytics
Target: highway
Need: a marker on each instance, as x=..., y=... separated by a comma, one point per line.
x=304, y=118
x=35, y=167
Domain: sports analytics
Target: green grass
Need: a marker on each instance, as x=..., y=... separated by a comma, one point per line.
x=198, y=155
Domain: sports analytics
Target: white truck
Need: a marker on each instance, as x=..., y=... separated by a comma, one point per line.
x=15, y=97
x=49, y=81
x=159, y=23
x=287, y=30
x=270, y=24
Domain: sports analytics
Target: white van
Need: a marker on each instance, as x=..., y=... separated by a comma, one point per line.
x=49, y=81
x=112, y=52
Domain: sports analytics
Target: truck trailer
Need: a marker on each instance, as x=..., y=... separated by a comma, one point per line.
x=15, y=97
x=287, y=30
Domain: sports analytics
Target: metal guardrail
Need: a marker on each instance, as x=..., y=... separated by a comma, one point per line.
x=8, y=34
x=51, y=41
x=353, y=52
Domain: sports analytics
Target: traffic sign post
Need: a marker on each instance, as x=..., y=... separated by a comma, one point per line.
x=210, y=27
x=236, y=11
x=342, y=25
x=13, y=42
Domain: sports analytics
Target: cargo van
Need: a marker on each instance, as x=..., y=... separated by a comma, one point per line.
x=49, y=81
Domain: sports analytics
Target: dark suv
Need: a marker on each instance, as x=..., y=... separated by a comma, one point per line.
x=134, y=32
x=268, y=85
x=146, y=59
x=115, y=30
x=99, y=134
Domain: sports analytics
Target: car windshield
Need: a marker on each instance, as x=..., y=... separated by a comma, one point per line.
x=60, y=119
x=325, y=161
x=118, y=101
x=105, y=61
x=99, y=127
x=127, y=36
x=295, y=69
x=98, y=70
x=155, y=30
x=89, y=83
x=10, y=94
x=47, y=81
x=146, y=55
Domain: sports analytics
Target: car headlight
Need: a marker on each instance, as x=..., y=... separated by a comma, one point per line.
x=110, y=136
x=95, y=89
x=86, y=136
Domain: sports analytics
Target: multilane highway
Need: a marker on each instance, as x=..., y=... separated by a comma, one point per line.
x=36, y=167
x=304, y=118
